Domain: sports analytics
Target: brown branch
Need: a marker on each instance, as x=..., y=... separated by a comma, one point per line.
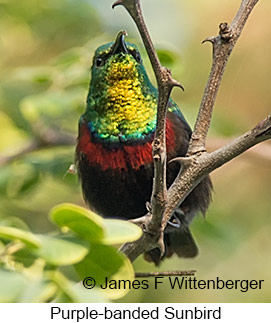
x=166, y=273
x=165, y=84
x=256, y=153
x=260, y=133
x=223, y=45
x=195, y=168
x=198, y=163
x=147, y=242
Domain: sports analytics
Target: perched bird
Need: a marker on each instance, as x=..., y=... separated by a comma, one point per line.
x=114, y=148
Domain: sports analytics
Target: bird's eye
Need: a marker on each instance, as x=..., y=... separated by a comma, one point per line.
x=136, y=56
x=99, y=62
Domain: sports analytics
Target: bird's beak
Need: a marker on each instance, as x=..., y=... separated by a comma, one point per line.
x=120, y=46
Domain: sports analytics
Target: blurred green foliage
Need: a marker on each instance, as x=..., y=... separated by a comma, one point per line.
x=46, y=49
x=31, y=265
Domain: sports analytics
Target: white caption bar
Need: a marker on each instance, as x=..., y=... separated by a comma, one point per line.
x=133, y=312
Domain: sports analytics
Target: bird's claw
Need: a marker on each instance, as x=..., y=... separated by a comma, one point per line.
x=175, y=222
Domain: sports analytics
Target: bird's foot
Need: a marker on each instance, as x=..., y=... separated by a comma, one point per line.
x=175, y=222
x=178, y=220
x=148, y=207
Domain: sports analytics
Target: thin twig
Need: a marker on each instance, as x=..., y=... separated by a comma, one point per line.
x=256, y=153
x=48, y=138
x=166, y=273
x=223, y=45
x=30, y=147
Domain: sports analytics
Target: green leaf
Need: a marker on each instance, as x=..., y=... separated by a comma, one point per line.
x=78, y=294
x=102, y=261
x=71, y=292
x=69, y=57
x=25, y=257
x=12, y=285
x=5, y=175
x=16, y=234
x=117, y=231
x=62, y=250
x=13, y=221
x=50, y=106
x=12, y=96
x=24, y=178
x=85, y=223
x=125, y=273
x=167, y=57
x=106, y=262
x=36, y=74
x=53, y=162
x=92, y=227
x=38, y=292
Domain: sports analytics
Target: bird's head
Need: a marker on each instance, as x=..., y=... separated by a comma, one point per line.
x=121, y=100
x=117, y=61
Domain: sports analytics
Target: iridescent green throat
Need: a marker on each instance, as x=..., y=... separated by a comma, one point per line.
x=122, y=101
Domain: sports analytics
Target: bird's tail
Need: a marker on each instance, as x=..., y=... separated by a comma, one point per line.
x=179, y=241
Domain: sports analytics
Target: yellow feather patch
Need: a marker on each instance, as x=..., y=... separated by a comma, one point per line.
x=127, y=111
